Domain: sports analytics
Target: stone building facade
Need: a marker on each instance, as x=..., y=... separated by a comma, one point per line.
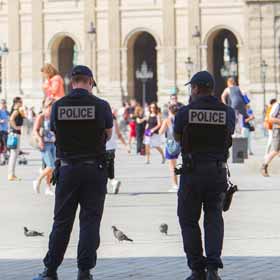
x=217, y=35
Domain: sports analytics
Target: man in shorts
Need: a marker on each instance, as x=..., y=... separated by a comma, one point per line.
x=275, y=145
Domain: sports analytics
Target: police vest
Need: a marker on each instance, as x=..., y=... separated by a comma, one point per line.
x=206, y=130
x=80, y=128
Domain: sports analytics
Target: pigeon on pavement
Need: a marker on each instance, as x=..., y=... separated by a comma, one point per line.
x=32, y=233
x=120, y=235
x=163, y=228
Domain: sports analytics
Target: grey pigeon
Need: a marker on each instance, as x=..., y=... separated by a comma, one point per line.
x=163, y=228
x=32, y=233
x=120, y=235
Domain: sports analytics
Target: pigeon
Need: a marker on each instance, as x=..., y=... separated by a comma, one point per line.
x=32, y=233
x=120, y=235
x=163, y=228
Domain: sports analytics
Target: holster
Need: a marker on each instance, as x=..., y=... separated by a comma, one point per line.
x=109, y=158
x=229, y=196
x=55, y=174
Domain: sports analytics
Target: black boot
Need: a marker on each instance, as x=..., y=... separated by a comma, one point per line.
x=47, y=275
x=197, y=275
x=84, y=275
x=212, y=274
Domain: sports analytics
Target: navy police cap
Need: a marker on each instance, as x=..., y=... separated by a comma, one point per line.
x=82, y=70
x=202, y=78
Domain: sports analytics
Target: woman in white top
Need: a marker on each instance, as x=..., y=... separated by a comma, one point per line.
x=111, y=147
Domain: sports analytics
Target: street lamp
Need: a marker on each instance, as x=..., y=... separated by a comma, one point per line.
x=92, y=32
x=230, y=69
x=189, y=67
x=144, y=74
x=92, y=29
x=3, y=53
x=196, y=36
x=264, y=67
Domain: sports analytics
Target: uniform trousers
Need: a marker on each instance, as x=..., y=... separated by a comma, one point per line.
x=85, y=185
x=203, y=188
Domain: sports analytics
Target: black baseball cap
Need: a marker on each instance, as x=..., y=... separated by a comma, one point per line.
x=84, y=71
x=202, y=78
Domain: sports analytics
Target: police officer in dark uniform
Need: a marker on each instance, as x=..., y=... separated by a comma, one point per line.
x=82, y=123
x=204, y=129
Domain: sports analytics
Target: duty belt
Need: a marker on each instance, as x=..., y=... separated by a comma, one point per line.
x=86, y=162
x=210, y=164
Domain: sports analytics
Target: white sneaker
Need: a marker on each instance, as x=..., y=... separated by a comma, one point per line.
x=116, y=186
x=49, y=192
x=174, y=189
x=36, y=186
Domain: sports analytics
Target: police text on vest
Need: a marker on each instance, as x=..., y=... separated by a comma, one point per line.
x=70, y=113
x=207, y=117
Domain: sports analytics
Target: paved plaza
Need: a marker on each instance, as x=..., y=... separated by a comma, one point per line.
x=252, y=237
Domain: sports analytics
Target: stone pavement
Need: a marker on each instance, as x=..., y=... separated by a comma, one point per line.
x=252, y=237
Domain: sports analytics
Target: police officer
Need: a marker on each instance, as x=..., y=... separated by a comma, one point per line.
x=82, y=123
x=204, y=129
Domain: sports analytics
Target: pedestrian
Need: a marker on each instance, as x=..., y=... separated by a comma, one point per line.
x=248, y=128
x=174, y=101
x=152, y=138
x=140, y=129
x=233, y=96
x=204, y=129
x=30, y=117
x=275, y=144
x=54, y=85
x=268, y=125
x=131, y=122
x=82, y=123
x=46, y=142
x=111, y=147
x=17, y=116
x=4, y=125
x=172, y=147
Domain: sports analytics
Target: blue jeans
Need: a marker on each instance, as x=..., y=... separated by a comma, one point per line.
x=48, y=155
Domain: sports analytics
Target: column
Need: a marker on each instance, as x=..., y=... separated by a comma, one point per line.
x=90, y=39
x=37, y=46
x=13, y=67
x=169, y=44
x=114, y=43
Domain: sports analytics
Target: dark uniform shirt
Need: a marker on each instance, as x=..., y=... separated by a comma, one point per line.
x=84, y=134
x=182, y=118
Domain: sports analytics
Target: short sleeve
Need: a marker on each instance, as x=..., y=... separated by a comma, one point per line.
x=231, y=120
x=179, y=122
x=274, y=110
x=53, y=118
x=108, y=116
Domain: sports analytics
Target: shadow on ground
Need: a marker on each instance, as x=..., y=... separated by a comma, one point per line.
x=152, y=268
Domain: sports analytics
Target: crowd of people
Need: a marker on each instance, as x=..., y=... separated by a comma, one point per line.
x=140, y=129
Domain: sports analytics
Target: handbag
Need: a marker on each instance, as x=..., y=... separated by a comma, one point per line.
x=12, y=141
x=173, y=147
x=148, y=132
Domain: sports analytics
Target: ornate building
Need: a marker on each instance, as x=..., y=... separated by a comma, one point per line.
x=233, y=37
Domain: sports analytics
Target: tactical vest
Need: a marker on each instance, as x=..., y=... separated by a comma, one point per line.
x=206, y=130
x=80, y=128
